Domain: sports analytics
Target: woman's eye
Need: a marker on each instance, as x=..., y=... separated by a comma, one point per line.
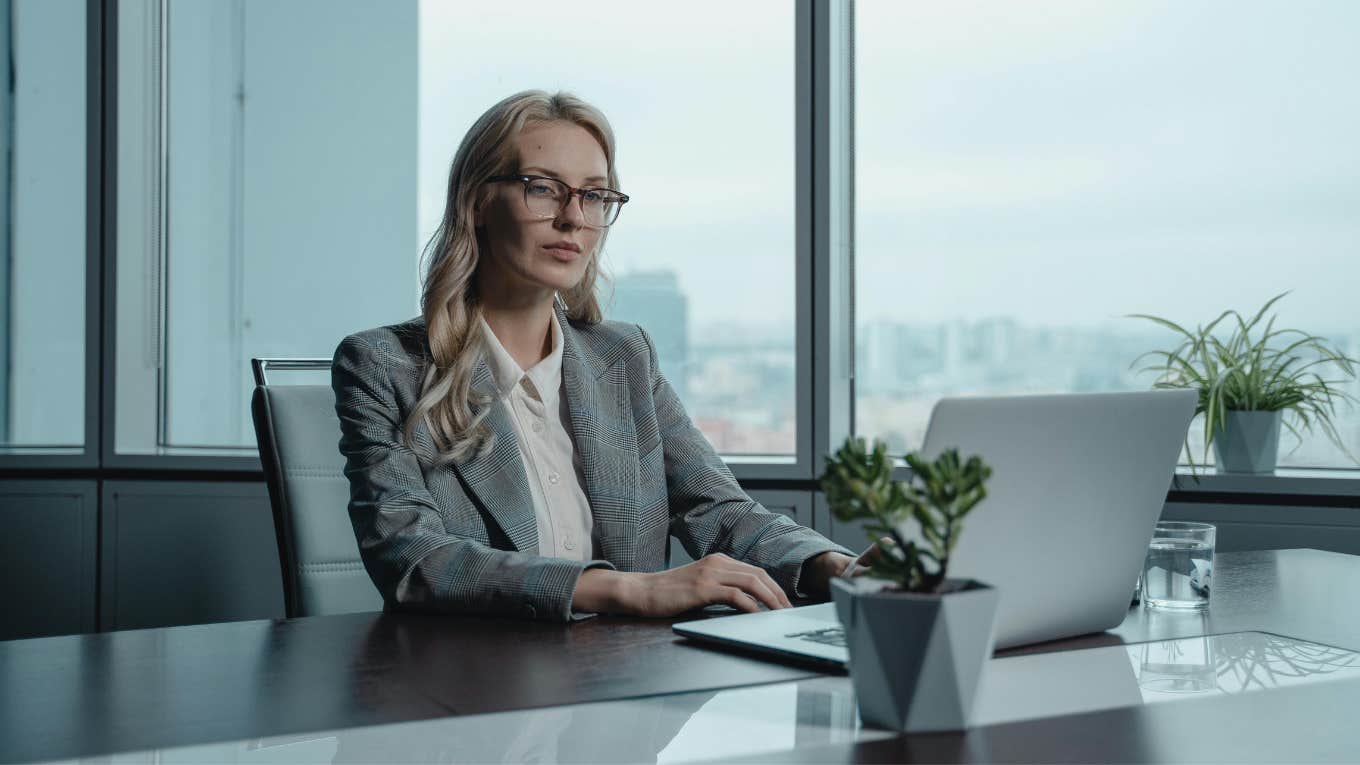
x=594, y=197
x=541, y=189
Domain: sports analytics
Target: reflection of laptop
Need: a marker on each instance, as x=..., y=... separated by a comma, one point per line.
x=1078, y=482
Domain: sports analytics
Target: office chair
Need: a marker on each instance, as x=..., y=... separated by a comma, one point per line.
x=299, y=435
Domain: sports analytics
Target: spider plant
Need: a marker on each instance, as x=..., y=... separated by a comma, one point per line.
x=1277, y=370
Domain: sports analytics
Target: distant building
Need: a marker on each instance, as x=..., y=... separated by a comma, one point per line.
x=892, y=357
x=653, y=300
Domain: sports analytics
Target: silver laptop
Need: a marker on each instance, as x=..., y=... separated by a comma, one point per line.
x=1078, y=482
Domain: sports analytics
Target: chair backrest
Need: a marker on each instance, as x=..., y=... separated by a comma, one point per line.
x=298, y=434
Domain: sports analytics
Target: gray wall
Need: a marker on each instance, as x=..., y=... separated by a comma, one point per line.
x=48, y=556
x=163, y=553
x=178, y=552
x=1265, y=527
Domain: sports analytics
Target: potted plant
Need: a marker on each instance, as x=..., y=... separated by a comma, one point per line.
x=1248, y=384
x=917, y=640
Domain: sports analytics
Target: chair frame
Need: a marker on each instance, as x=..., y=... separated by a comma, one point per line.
x=266, y=438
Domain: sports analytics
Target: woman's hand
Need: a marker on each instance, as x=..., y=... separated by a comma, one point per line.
x=713, y=579
x=819, y=570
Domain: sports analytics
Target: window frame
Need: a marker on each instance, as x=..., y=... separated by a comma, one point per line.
x=796, y=467
x=824, y=290
x=27, y=459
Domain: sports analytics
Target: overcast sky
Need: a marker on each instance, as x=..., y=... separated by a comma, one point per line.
x=700, y=96
x=1056, y=162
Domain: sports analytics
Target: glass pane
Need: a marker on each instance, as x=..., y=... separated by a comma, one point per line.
x=290, y=190
x=1029, y=174
x=703, y=255
x=305, y=173
x=42, y=215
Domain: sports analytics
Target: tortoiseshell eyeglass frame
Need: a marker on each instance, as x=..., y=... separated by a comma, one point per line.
x=572, y=191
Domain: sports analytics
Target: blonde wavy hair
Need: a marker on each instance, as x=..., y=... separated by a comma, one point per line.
x=449, y=300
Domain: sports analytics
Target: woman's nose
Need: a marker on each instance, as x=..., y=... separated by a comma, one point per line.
x=572, y=214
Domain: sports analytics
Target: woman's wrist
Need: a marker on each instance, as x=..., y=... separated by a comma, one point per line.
x=819, y=570
x=600, y=590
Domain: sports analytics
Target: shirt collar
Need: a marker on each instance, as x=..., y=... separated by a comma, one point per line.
x=546, y=375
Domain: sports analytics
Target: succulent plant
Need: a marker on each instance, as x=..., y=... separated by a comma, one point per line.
x=859, y=485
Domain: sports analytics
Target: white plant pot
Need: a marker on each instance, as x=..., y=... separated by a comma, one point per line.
x=916, y=660
x=1248, y=443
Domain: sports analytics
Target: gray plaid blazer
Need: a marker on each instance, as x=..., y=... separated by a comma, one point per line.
x=462, y=538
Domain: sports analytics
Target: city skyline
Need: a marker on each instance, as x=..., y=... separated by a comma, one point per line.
x=741, y=391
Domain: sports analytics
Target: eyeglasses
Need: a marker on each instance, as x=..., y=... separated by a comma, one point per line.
x=548, y=197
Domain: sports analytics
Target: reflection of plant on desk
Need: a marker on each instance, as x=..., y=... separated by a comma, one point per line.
x=1252, y=659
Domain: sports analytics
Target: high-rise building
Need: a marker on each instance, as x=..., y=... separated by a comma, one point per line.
x=653, y=300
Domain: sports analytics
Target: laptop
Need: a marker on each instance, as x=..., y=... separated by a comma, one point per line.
x=1078, y=481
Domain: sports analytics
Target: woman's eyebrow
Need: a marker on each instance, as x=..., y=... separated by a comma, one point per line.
x=555, y=174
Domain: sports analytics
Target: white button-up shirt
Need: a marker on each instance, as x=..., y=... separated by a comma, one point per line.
x=538, y=411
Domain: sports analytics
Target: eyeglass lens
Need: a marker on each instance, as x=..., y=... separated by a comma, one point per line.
x=546, y=197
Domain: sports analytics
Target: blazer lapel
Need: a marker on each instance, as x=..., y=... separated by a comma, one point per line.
x=602, y=427
x=497, y=477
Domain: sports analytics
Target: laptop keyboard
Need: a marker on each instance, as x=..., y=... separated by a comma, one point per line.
x=828, y=636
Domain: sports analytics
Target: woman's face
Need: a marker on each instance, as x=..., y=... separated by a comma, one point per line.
x=524, y=253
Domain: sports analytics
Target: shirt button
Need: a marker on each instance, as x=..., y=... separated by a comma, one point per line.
x=553, y=478
x=538, y=427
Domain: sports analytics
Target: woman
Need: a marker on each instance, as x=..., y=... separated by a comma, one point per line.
x=476, y=486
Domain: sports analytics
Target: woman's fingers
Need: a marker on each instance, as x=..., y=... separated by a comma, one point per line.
x=752, y=584
x=775, y=588
x=750, y=579
x=737, y=598
x=876, y=552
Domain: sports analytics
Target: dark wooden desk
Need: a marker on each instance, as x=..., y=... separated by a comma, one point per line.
x=93, y=694
x=96, y=694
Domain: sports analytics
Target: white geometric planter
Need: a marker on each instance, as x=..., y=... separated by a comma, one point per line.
x=1248, y=443
x=916, y=659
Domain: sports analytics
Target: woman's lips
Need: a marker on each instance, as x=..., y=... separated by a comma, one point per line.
x=563, y=254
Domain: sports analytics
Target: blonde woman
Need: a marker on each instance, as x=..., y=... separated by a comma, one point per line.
x=510, y=451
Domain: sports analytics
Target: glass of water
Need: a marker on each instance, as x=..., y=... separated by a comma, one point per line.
x=1179, y=569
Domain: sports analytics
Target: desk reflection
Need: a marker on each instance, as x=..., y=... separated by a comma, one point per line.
x=781, y=717
x=603, y=733
x=1037, y=686
x=1237, y=662
x=679, y=728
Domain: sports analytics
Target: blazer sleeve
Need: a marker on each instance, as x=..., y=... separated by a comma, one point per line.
x=710, y=513
x=412, y=558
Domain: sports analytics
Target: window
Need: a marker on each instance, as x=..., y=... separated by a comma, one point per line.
x=267, y=201
x=703, y=112
x=1028, y=174
x=277, y=187
x=42, y=217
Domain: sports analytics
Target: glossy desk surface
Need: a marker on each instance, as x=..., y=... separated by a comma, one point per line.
x=406, y=688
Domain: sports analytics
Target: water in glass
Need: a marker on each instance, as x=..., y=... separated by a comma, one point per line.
x=1178, y=574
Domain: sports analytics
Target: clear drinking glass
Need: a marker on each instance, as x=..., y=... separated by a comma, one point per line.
x=1179, y=568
